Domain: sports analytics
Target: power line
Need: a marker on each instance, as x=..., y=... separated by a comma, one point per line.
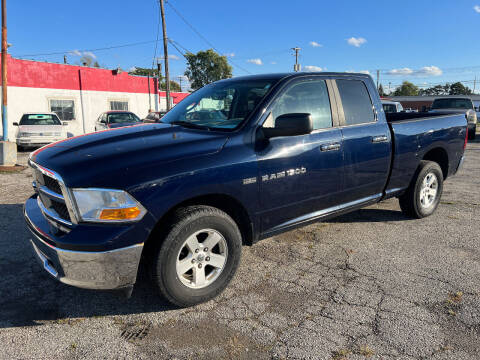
x=156, y=41
x=201, y=36
x=83, y=50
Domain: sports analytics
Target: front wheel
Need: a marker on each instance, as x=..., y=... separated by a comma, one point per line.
x=423, y=196
x=198, y=256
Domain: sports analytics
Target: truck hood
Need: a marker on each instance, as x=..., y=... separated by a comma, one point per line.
x=108, y=158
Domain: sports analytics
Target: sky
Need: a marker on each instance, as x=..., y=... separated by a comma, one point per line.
x=426, y=42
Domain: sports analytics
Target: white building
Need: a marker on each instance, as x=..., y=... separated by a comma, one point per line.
x=78, y=94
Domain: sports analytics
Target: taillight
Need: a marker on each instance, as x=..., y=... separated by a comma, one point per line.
x=466, y=139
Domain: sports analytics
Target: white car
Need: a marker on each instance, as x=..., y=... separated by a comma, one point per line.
x=38, y=129
x=391, y=106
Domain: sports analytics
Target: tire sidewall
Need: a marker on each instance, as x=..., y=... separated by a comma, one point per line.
x=166, y=265
x=429, y=168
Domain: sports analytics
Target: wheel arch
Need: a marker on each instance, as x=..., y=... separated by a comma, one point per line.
x=227, y=203
x=440, y=156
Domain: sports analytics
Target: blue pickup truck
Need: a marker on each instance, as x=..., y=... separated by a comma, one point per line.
x=237, y=161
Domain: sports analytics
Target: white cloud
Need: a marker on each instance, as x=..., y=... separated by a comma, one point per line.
x=273, y=62
x=255, y=61
x=132, y=69
x=173, y=57
x=229, y=54
x=315, y=44
x=357, y=42
x=402, y=71
x=82, y=53
x=424, y=71
x=90, y=54
x=364, y=72
x=312, y=68
x=75, y=53
x=430, y=71
x=477, y=8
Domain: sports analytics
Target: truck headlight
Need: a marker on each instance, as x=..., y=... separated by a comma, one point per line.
x=107, y=205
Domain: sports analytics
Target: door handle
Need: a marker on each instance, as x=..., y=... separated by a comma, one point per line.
x=330, y=147
x=379, y=139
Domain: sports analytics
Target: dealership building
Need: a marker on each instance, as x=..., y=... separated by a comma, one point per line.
x=78, y=94
x=422, y=102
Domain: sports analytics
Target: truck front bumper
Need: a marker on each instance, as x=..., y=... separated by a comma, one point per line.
x=110, y=269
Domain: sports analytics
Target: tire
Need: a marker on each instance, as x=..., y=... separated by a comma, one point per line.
x=471, y=133
x=194, y=228
x=418, y=201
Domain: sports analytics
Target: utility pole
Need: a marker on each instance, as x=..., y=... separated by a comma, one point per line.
x=474, y=84
x=64, y=59
x=180, y=82
x=165, y=52
x=4, y=70
x=159, y=69
x=378, y=78
x=296, y=67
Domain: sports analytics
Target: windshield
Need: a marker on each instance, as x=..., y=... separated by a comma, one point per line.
x=118, y=118
x=223, y=105
x=452, y=104
x=40, y=119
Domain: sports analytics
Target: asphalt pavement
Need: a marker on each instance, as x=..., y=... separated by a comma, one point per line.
x=370, y=284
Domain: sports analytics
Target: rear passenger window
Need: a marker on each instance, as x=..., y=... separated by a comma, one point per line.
x=304, y=97
x=357, y=106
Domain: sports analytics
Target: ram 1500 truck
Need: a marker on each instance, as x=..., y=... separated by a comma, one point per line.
x=237, y=161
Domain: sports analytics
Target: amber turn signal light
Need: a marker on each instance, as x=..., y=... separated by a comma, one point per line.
x=120, y=214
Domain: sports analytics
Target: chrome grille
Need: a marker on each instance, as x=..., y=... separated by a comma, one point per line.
x=51, y=196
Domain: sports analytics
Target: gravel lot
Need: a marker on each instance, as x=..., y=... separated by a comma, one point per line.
x=370, y=284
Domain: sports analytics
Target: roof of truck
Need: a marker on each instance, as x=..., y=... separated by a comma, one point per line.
x=279, y=76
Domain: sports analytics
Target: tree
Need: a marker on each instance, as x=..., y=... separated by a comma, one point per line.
x=381, y=92
x=174, y=86
x=406, y=89
x=206, y=67
x=433, y=91
x=86, y=60
x=145, y=72
x=459, y=89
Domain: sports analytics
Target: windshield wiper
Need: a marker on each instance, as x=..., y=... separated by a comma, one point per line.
x=188, y=124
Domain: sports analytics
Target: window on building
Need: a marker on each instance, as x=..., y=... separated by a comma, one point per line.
x=65, y=109
x=119, y=105
x=356, y=102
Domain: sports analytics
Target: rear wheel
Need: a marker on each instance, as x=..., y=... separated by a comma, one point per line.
x=423, y=196
x=198, y=256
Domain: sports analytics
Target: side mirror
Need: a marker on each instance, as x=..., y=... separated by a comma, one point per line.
x=290, y=125
x=15, y=124
x=64, y=123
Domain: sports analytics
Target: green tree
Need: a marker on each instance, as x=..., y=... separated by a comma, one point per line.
x=174, y=86
x=433, y=91
x=406, y=89
x=145, y=72
x=206, y=67
x=381, y=92
x=459, y=89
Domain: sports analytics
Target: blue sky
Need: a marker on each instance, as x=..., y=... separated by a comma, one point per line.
x=423, y=41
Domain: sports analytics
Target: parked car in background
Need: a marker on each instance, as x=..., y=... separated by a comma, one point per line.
x=116, y=118
x=237, y=161
x=391, y=106
x=154, y=116
x=38, y=129
x=410, y=110
x=458, y=105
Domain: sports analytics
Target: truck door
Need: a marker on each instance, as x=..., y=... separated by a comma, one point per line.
x=300, y=175
x=366, y=142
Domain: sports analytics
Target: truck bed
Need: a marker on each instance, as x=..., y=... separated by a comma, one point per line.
x=416, y=135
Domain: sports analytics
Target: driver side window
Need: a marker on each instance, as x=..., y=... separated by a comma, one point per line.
x=310, y=96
